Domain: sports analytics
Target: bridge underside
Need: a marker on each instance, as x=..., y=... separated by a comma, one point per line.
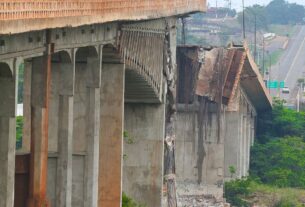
x=80, y=86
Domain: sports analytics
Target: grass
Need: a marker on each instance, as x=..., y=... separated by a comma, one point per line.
x=274, y=56
x=250, y=192
x=282, y=30
x=19, y=128
x=265, y=195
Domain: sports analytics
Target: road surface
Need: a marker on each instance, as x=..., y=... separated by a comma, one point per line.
x=291, y=66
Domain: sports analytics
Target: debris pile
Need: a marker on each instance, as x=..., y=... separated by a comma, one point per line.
x=200, y=201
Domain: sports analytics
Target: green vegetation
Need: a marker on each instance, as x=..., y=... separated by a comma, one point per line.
x=280, y=162
x=277, y=162
x=250, y=13
x=282, y=12
x=232, y=170
x=282, y=30
x=19, y=130
x=276, y=12
x=129, y=202
x=273, y=58
x=281, y=122
x=250, y=192
x=128, y=139
x=236, y=192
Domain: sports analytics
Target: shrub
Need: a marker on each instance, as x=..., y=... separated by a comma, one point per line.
x=236, y=192
x=280, y=162
x=129, y=202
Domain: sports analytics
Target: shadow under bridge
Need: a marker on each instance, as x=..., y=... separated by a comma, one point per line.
x=142, y=46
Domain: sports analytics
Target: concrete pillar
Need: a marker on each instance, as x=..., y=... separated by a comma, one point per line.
x=39, y=131
x=249, y=134
x=7, y=135
x=241, y=133
x=64, y=163
x=92, y=131
x=244, y=145
x=247, y=145
x=232, y=142
x=64, y=117
x=143, y=151
x=86, y=128
x=111, y=135
x=26, y=138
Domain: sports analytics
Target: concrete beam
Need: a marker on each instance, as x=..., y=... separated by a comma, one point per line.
x=111, y=135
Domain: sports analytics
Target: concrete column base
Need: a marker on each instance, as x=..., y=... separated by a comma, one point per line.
x=143, y=153
x=7, y=160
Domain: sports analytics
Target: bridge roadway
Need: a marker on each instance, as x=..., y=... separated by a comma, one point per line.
x=291, y=65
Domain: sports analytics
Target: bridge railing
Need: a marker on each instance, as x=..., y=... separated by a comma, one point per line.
x=119, y=9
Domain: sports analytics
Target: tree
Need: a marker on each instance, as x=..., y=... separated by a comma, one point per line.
x=277, y=12
x=250, y=13
x=280, y=162
x=296, y=13
x=282, y=12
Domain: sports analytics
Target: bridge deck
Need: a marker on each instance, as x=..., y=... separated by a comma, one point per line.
x=18, y=16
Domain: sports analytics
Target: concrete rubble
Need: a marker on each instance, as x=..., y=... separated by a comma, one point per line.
x=191, y=194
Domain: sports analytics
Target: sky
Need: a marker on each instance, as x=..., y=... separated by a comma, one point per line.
x=237, y=4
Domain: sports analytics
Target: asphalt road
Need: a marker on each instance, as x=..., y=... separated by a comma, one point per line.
x=291, y=66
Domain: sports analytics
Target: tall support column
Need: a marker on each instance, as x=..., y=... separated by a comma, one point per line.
x=93, y=131
x=26, y=138
x=240, y=145
x=248, y=142
x=65, y=133
x=232, y=143
x=143, y=165
x=64, y=165
x=7, y=135
x=111, y=135
x=41, y=76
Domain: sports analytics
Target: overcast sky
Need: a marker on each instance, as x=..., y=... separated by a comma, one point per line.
x=237, y=4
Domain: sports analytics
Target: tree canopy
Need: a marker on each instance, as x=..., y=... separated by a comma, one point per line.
x=278, y=156
x=276, y=12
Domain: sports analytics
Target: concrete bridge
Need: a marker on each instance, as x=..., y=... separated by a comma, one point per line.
x=220, y=94
x=92, y=70
x=96, y=79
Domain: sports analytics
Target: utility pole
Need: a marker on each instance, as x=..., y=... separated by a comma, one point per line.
x=244, y=27
x=269, y=72
x=216, y=10
x=298, y=100
x=254, y=37
x=264, y=57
